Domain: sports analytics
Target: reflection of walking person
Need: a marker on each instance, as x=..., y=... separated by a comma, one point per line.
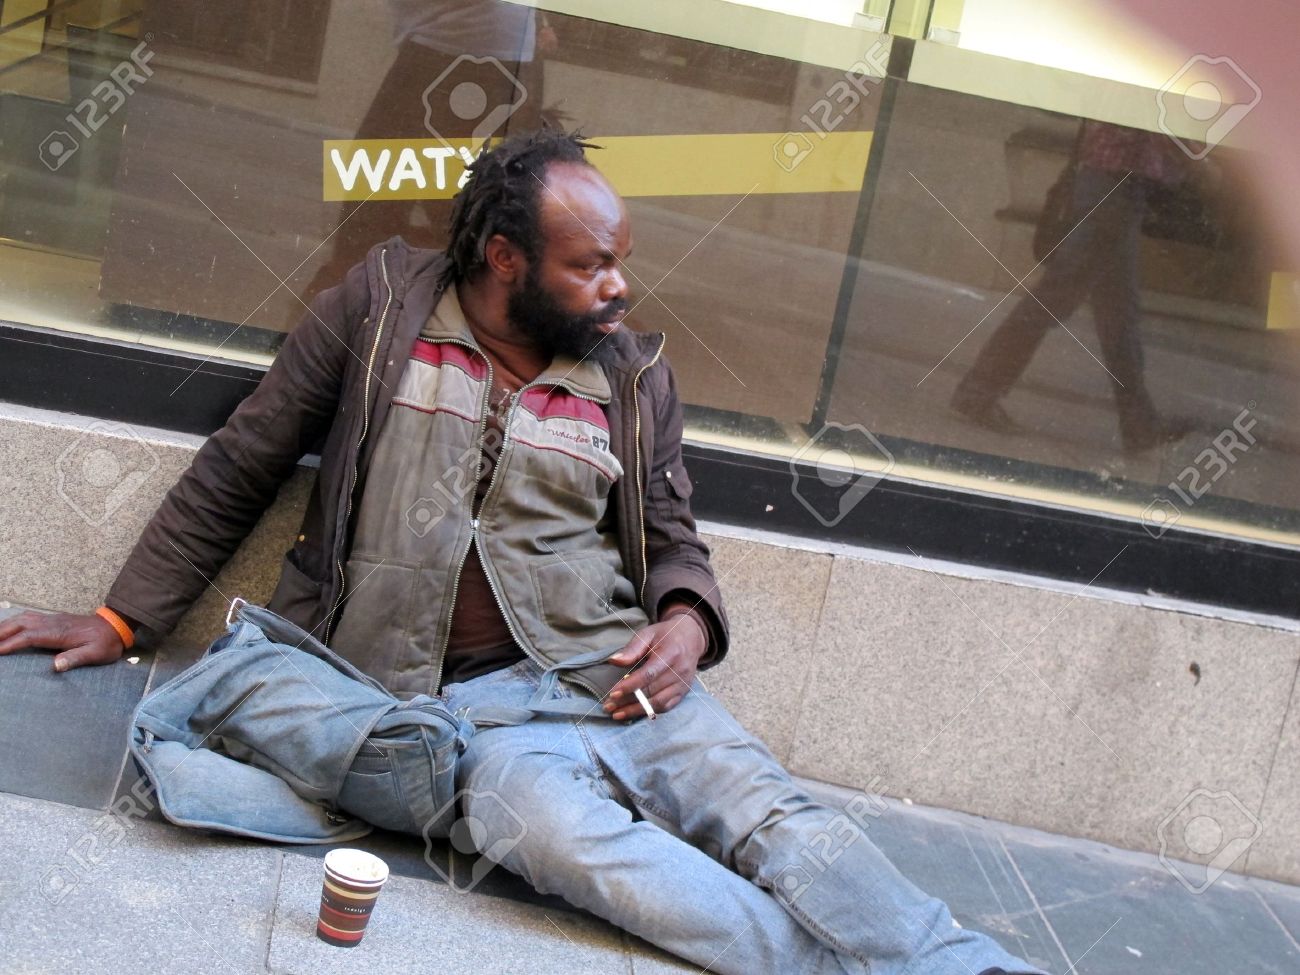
x=479, y=52
x=1114, y=175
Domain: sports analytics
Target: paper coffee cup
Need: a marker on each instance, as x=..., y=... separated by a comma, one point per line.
x=353, y=879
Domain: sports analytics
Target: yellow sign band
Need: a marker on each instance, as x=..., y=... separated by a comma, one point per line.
x=637, y=165
x=1283, y=301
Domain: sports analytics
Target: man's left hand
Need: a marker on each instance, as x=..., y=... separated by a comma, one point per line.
x=669, y=653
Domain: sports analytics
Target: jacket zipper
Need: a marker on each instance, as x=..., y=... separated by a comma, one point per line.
x=636, y=436
x=365, y=426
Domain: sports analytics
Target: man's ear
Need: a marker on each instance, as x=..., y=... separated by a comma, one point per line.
x=504, y=260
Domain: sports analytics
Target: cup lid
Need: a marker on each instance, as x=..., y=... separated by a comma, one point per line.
x=357, y=866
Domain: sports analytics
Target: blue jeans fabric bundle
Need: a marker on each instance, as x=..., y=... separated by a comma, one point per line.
x=273, y=735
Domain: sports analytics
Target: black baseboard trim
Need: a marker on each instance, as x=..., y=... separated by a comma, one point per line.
x=120, y=381
x=938, y=522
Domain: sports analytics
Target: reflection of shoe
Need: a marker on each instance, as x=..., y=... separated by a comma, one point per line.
x=1160, y=431
x=988, y=414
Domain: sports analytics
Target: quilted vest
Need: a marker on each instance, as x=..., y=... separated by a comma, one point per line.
x=558, y=578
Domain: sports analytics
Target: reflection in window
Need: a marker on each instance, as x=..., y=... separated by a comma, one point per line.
x=888, y=300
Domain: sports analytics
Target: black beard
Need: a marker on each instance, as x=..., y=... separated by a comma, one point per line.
x=535, y=312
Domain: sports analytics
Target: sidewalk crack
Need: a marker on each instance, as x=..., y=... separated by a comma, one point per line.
x=1268, y=909
x=1033, y=899
x=812, y=649
x=275, y=906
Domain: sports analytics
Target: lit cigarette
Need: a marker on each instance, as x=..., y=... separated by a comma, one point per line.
x=645, y=703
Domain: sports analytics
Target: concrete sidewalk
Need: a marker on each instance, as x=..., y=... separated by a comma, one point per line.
x=96, y=881
x=90, y=892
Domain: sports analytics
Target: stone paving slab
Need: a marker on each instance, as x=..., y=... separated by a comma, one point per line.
x=84, y=893
x=1283, y=903
x=1075, y=905
x=84, y=897
x=652, y=961
x=423, y=927
x=961, y=859
x=1121, y=913
x=73, y=761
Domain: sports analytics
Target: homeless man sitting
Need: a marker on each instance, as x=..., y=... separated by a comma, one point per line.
x=501, y=372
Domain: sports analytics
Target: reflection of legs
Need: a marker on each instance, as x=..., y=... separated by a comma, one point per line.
x=1010, y=349
x=398, y=112
x=395, y=113
x=555, y=823
x=1115, y=309
x=1068, y=276
x=698, y=769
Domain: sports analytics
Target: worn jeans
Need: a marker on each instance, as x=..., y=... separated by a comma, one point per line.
x=687, y=832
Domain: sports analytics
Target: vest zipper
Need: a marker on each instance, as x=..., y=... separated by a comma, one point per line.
x=505, y=438
x=636, y=436
x=365, y=426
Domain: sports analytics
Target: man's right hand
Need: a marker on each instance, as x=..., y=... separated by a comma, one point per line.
x=84, y=640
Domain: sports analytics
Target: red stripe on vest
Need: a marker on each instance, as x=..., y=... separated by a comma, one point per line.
x=555, y=402
x=451, y=354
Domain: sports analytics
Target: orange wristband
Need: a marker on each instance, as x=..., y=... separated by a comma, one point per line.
x=119, y=624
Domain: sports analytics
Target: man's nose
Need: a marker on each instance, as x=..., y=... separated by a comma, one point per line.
x=613, y=286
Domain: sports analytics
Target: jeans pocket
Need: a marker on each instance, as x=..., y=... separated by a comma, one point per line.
x=372, y=790
x=425, y=770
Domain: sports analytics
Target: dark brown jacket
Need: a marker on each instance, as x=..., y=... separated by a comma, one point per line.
x=333, y=379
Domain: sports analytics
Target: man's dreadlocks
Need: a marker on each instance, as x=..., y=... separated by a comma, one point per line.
x=502, y=197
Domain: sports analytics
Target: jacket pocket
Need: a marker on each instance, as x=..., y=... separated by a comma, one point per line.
x=374, y=628
x=297, y=595
x=573, y=591
x=670, y=492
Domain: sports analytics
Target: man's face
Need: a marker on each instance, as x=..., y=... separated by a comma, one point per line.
x=574, y=295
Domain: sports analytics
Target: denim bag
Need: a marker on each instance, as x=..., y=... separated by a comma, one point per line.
x=273, y=735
